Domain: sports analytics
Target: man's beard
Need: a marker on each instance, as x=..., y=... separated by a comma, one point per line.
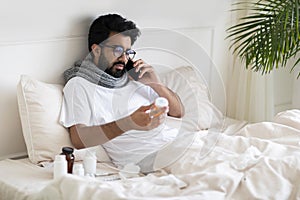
x=103, y=64
x=118, y=73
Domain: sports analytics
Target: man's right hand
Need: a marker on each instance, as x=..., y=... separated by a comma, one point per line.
x=141, y=120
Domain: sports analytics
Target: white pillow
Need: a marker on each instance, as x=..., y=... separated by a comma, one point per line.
x=39, y=109
x=289, y=117
x=200, y=113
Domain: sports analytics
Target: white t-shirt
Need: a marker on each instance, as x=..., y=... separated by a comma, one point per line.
x=91, y=104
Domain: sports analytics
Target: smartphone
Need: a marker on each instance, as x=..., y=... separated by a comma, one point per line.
x=131, y=70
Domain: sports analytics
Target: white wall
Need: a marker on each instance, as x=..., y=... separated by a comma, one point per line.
x=283, y=89
x=287, y=88
x=296, y=89
x=32, y=30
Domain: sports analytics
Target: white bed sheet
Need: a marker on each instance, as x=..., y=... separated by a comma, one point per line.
x=20, y=179
x=252, y=161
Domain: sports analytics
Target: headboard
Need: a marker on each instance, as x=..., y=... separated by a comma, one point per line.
x=166, y=49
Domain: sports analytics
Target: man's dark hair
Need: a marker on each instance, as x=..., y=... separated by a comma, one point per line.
x=105, y=24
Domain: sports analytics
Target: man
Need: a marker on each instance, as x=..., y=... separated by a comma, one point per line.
x=103, y=105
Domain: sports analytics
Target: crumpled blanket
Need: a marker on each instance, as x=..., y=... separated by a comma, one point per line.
x=260, y=161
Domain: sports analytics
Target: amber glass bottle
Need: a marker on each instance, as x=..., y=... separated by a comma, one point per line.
x=68, y=151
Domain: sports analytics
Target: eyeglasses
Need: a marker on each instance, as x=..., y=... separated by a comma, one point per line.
x=119, y=51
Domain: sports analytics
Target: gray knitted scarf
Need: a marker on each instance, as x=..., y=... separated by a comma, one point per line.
x=88, y=70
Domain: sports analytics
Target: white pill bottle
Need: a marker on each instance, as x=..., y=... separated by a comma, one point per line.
x=60, y=167
x=160, y=102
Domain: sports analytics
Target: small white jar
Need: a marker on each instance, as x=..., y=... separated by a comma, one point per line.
x=90, y=164
x=60, y=167
x=78, y=169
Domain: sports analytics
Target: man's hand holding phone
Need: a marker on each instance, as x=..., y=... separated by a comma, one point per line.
x=141, y=71
x=131, y=70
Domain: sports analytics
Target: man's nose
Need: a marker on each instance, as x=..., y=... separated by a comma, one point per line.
x=123, y=58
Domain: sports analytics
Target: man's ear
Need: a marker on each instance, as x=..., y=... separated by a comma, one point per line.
x=96, y=49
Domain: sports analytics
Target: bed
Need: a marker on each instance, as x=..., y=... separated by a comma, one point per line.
x=214, y=157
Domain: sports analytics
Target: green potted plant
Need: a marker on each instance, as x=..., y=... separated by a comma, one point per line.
x=268, y=36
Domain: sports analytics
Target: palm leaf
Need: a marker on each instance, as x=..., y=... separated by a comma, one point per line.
x=269, y=36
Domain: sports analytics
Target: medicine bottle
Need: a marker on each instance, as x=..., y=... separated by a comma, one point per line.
x=160, y=102
x=68, y=152
x=78, y=169
x=90, y=163
x=60, y=166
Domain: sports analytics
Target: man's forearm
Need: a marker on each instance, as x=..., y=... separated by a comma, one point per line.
x=86, y=136
x=176, y=108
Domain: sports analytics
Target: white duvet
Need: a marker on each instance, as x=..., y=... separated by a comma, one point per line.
x=260, y=161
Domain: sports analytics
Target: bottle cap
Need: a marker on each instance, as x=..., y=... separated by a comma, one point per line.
x=67, y=150
x=90, y=154
x=60, y=157
x=161, y=102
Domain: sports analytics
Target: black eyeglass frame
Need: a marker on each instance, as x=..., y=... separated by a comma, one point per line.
x=127, y=52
